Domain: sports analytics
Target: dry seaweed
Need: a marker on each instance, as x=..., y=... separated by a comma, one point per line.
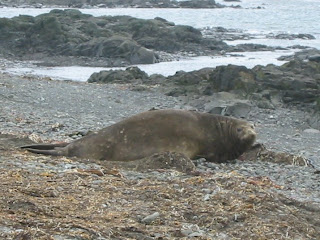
x=101, y=203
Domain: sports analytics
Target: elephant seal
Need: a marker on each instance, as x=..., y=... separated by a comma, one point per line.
x=194, y=134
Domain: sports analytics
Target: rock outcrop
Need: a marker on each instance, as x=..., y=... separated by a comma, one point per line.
x=295, y=83
x=119, y=40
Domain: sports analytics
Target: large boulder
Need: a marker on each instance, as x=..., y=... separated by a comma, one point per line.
x=185, y=83
x=233, y=78
x=296, y=81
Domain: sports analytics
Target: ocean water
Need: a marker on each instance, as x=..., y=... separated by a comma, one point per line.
x=257, y=17
x=77, y=73
x=291, y=16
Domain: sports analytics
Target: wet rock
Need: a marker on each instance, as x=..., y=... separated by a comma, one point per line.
x=315, y=58
x=250, y=47
x=305, y=54
x=291, y=36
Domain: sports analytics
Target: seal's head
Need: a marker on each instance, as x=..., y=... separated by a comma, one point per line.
x=246, y=133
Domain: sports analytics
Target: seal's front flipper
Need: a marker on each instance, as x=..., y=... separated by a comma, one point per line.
x=44, y=146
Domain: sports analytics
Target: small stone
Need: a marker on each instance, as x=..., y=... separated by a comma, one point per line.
x=186, y=232
x=206, y=190
x=206, y=197
x=311, y=130
x=149, y=219
x=195, y=234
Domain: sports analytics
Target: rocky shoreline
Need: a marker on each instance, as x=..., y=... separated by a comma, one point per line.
x=271, y=192
x=69, y=37
x=295, y=83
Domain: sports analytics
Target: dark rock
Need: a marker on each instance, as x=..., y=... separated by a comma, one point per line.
x=315, y=58
x=250, y=47
x=188, y=82
x=161, y=35
x=156, y=78
x=306, y=54
x=164, y=21
x=131, y=74
x=233, y=78
x=291, y=36
x=185, y=78
x=295, y=81
x=199, y=4
x=213, y=44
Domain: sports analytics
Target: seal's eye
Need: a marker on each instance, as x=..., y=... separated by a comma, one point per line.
x=239, y=129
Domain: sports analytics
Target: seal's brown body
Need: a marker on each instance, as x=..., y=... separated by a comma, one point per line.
x=216, y=138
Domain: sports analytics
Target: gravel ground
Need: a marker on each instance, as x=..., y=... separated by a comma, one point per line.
x=58, y=110
x=47, y=110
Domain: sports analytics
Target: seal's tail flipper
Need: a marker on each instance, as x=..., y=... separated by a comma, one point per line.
x=45, y=152
x=45, y=146
x=47, y=149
